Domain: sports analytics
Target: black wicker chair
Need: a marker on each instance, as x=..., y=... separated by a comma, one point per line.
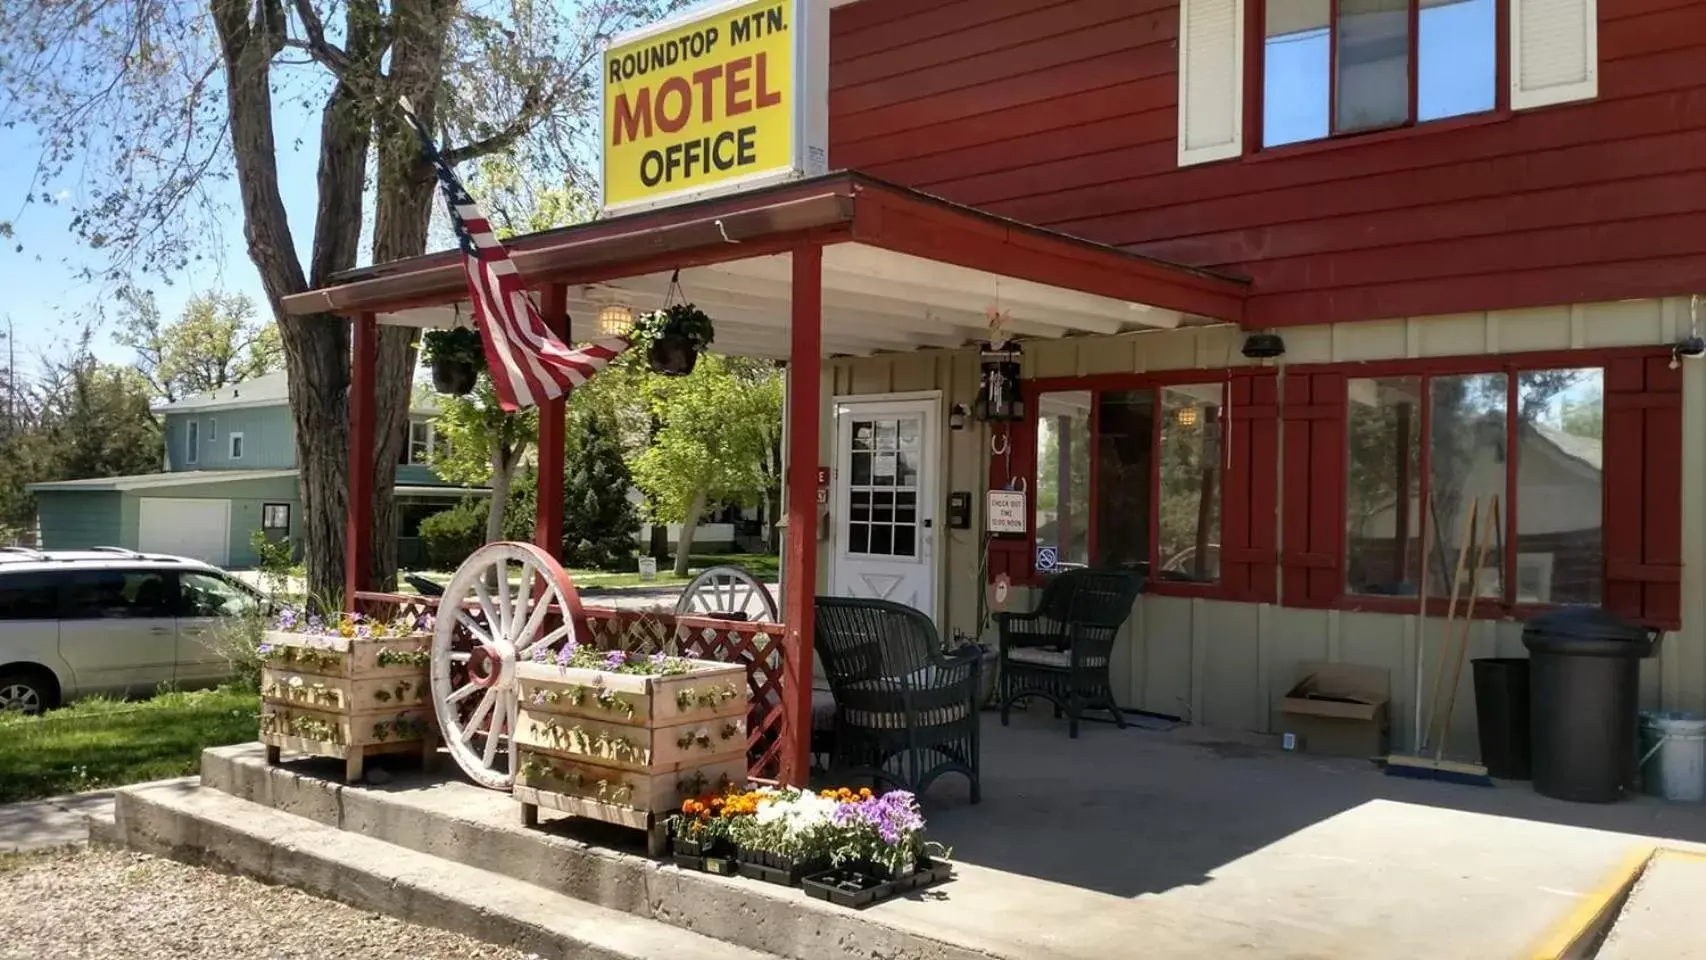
x=1060, y=651
x=905, y=712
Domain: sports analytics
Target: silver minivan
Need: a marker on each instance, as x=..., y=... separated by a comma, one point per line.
x=111, y=621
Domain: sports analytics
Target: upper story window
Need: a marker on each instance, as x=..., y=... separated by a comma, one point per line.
x=1334, y=67
x=192, y=441
x=1323, y=69
x=423, y=443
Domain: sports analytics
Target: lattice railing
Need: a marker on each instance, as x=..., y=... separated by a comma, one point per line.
x=757, y=645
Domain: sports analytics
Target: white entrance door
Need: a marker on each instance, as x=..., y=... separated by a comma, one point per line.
x=885, y=501
x=198, y=529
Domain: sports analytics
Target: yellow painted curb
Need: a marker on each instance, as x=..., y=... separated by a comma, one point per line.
x=1573, y=931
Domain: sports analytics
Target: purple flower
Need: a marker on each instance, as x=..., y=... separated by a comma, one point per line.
x=565, y=655
x=540, y=653
x=538, y=697
x=615, y=660
x=426, y=622
x=315, y=624
x=356, y=618
x=364, y=631
x=658, y=659
x=287, y=619
x=264, y=649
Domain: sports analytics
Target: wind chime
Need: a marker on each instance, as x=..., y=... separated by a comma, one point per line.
x=999, y=398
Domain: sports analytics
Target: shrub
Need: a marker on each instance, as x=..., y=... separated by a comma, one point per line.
x=451, y=535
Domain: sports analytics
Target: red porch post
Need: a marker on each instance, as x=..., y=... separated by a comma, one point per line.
x=358, y=512
x=805, y=374
x=548, y=518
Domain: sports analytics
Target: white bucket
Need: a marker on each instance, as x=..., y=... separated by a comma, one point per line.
x=1673, y=755
x=648, y=568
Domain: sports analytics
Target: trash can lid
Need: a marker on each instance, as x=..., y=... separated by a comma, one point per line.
x=1587, y=631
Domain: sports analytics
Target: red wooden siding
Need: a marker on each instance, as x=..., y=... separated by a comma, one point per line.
x=1643, y=489
x=1063, y=113
x=1249, y=549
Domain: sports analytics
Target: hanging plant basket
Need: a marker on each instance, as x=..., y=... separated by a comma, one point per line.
x=675, y=337
x=456, y=357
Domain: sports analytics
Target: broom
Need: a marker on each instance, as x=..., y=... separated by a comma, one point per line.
x=1422, y=767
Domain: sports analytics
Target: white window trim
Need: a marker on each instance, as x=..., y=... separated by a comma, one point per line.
x=192, y=442
x=235, y=444
x=268, y=506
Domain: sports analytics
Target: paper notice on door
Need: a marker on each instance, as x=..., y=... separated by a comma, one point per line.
x=883, y=465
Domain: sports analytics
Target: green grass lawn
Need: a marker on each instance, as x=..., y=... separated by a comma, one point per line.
x=762, y=566
x=107, y=743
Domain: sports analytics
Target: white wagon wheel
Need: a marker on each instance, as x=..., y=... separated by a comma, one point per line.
x=728, y=592
x=485, y=624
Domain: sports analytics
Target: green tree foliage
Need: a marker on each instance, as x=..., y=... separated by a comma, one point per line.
x=599, y=521
x=715, y=430
x=450, y=536
x=484, y=446
x=217, y=342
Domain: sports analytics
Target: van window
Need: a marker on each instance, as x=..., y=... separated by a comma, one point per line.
x=28, y=596
x=206, y=595
x=118, y=594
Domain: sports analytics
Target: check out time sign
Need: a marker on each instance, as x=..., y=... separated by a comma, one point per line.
x=713, y=101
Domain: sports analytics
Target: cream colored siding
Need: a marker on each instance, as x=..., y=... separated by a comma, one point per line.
x=1228, y=664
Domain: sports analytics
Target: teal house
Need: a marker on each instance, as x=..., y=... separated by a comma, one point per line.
x=230, y=470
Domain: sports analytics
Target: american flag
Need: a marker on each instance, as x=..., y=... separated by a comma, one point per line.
x=528, y=363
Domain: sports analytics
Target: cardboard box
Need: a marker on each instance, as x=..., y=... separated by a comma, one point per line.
x=1338, y=709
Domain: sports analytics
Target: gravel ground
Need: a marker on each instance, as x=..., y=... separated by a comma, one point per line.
x=95, y=905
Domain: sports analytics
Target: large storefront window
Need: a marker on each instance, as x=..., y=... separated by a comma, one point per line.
x=1131, y=478
x=1439, y=443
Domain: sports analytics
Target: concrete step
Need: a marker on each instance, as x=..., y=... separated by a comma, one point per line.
x=446, y=817
x=185, y=821
x=1662, y=919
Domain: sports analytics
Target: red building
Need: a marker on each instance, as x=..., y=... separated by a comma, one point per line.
x=1475, y=224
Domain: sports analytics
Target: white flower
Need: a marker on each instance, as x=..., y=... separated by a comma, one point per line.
x=296, y=681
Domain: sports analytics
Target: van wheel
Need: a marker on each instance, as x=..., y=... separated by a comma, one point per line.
x=26, y=690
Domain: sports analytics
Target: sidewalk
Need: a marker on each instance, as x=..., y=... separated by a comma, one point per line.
x=54, y=823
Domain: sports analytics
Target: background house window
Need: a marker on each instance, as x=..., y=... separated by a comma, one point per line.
x=1131, y=478
x=192, y=441
x=1542, y=429
x=275, y=518
x=1342, y=67
x=422, y=438
x=236, y=446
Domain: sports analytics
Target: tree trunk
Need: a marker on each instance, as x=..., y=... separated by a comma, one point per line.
x=502, y=479
x=684, y=549
x=403, y=207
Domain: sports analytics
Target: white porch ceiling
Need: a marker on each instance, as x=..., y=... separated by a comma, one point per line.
x=874, y=301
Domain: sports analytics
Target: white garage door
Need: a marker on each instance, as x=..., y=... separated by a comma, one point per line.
x=200, y=529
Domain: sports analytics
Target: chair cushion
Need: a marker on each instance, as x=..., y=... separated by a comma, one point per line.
x=823, y=710
x=1041, y=656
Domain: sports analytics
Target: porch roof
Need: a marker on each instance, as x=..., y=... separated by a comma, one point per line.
x=902, y=270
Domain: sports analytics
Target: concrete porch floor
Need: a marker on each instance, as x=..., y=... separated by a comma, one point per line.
x=1196, y=843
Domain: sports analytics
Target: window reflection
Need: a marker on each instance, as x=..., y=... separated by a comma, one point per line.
x=1189, y=535
x=1063, y=475
x=1125, y=444
x=1560, y=483
x=1383, y=428
x=1466, y=464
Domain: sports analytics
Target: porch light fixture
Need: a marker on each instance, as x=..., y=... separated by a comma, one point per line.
x=1187, y=416
x=615, y=319
x=958, y=416
x=1263, y=346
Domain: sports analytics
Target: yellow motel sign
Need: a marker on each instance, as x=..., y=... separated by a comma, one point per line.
x=712, y=101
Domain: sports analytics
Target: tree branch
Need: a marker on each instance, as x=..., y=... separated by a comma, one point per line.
x=317, y=45
x=534, y=105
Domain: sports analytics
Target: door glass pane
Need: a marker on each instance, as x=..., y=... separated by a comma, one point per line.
x=1466, y=464
x=1296, y=64
x=117, y=594
x=1559, y=483
x=1457, y=53
x=885, y=460
x=882, y=539
x=1063, y=476
x=1189, y=535
x=1373, y=84
x=1124, y=472
x=1383, y=477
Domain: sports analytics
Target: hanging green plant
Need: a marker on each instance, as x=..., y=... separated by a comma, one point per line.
x=456, y=357
x=674, y=337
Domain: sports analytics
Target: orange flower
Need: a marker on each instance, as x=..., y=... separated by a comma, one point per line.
x=864, y=793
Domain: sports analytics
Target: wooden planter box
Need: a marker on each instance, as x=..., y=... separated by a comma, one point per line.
x=628, y=749
x=348, y=698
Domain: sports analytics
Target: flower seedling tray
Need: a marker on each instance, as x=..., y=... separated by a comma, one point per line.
x=848, y=888
x=347, y=697
x=928, y=872
x=773, y=868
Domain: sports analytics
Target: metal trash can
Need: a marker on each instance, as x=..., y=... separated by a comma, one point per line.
x=1673, y=755
x=1502, y=716
x=1584, y=675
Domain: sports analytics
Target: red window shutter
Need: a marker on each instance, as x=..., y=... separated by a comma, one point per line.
x=1249, y=548
x=1314, y=475
x=1642, y=457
